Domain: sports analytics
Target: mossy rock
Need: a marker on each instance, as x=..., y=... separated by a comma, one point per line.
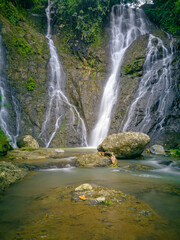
x=125, y=145
x=93, y=160
x=9, y=174
x=27, y=141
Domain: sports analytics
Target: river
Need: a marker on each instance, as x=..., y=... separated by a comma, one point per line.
x=159, y=187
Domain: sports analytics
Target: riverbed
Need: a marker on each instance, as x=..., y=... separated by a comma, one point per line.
x=158, y=184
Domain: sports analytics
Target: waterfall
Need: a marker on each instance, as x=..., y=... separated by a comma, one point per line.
x=57, y=98
x=126, y=25
x=155, y=94
x=10, y=129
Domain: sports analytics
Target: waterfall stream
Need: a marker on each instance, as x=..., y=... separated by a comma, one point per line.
x=126, y=25
x=155, y=94
x=57, y=98
x=10, y=127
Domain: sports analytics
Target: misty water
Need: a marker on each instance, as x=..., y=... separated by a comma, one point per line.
x=126, y=25
x=159, y=187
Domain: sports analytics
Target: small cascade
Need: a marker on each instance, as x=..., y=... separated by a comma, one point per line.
x=156, y=91
x=126, y=25
x=57, y=99
x=7, y=110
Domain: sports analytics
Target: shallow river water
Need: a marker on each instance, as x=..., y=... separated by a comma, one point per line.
x=159, y=187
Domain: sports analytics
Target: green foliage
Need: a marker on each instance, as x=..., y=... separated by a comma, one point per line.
x=175, y=152
x=166, y=13
x=83, y=19
x=9, y=11
x=31, y=84
x=4, y=144
x=36, y=5
x=23, y=48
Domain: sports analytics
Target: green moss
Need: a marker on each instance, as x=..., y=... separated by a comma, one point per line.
x=175, y=152
x=133, y=68
x=174, y=61
x=107, y=203
x=23, y=48
x=31, y=84
x=27, y=149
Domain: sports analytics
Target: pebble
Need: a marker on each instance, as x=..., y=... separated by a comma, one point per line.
x=100, y=199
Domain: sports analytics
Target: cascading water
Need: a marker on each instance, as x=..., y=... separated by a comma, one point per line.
x=57, y=98
x=126, y=25
x=7, y=125
x=155, y=94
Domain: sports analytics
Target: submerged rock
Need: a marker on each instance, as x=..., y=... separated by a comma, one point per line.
x=93, y=160
x=84, y=187
x=125, y=145
x=9, y=174
x=67, y=216
x=157, y=150
x=27, y=141
x=138, y=167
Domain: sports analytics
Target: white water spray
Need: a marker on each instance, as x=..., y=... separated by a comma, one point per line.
x=57, y=98
x=6, y=122
x=126, y=25
x=156, y=90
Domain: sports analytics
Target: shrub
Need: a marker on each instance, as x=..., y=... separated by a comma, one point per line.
x=4, y=144
x=166, y=14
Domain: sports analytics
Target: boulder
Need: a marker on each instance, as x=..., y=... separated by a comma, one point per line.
x=27, y=141
x=157, y=150
x=125, y=145
x=9, y=174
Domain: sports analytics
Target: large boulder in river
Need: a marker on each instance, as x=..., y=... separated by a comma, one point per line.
x=27, y=141
x=125, y=145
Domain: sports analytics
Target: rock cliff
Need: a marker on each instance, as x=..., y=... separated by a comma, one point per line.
x=86, y=68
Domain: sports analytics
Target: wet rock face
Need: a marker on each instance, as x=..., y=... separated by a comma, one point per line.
x=27, y=141
x=86, y=71
x=132, y=70
x=27, y=57
x=125, y=145
x=130, y=78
